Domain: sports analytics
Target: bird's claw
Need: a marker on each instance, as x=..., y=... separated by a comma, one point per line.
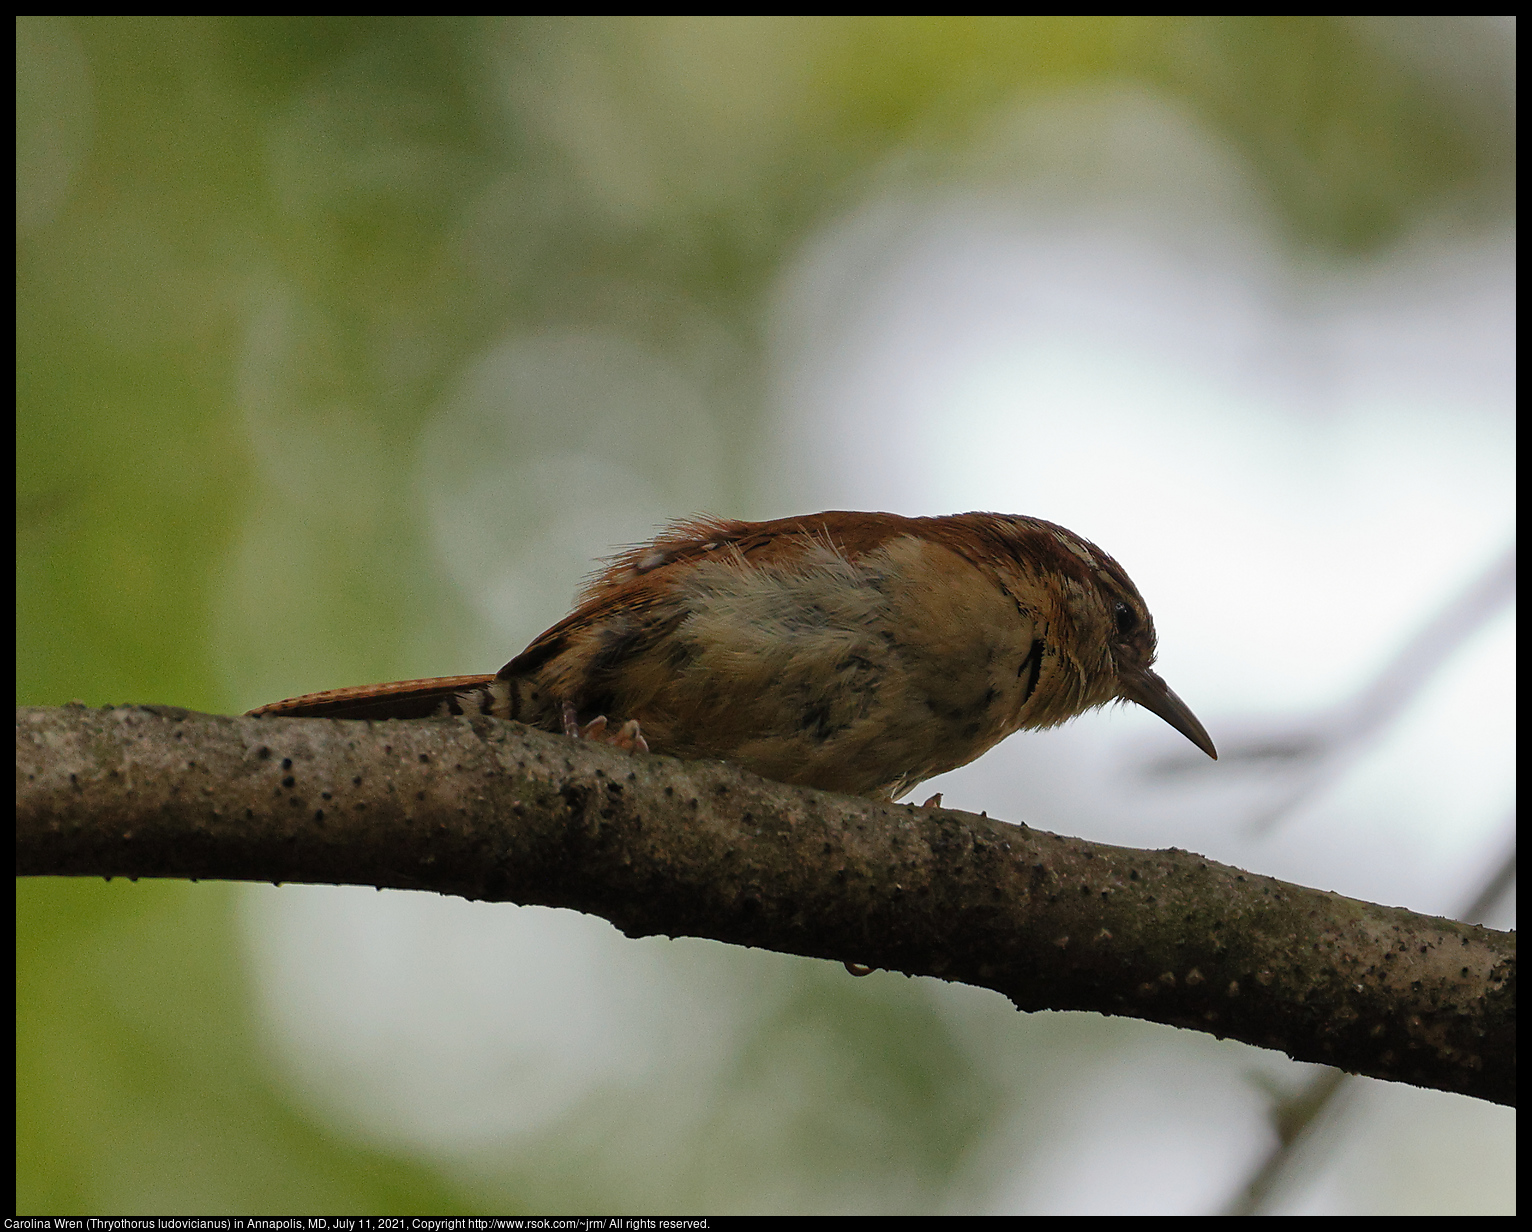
x=629, y=737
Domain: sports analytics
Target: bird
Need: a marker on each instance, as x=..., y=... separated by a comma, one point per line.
x=847, y=651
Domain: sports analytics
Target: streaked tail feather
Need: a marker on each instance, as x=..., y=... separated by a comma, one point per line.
x=401, y=699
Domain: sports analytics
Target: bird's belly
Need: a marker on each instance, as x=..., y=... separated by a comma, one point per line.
x=843, y=709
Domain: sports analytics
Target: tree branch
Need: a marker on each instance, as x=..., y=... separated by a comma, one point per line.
x=496, y=811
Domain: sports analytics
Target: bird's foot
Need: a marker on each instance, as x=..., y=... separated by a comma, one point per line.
x=628, y=737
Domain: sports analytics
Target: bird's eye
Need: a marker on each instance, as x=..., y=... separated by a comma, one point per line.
x=1127, y=620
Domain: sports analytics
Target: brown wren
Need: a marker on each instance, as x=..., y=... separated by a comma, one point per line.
x=852, y=652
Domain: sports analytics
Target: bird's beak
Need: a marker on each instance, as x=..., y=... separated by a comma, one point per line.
x=1157, y=697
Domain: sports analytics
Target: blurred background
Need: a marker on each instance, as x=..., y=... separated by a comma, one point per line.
x=345, y=346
